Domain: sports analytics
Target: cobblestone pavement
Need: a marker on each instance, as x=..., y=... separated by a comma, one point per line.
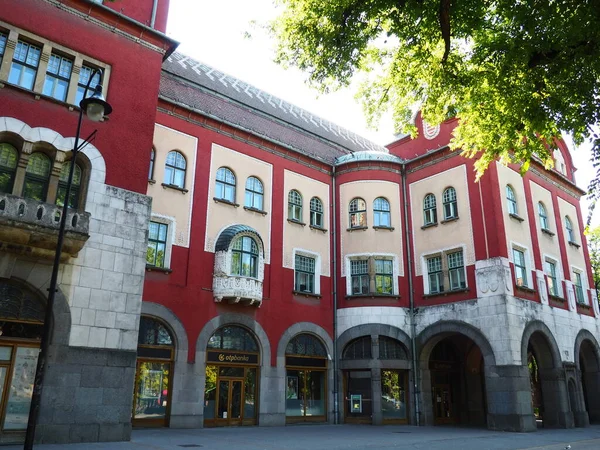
x=346, y=437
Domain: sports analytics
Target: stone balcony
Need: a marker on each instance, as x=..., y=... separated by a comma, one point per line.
x=30, y=227
x=235, y=289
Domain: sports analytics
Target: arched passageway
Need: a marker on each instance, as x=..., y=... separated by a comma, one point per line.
x=589, y=370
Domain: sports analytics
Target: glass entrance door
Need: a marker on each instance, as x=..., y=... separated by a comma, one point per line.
x=442, y=404
x=229, y=407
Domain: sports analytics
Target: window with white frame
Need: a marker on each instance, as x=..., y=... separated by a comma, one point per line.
x=372, y=275
x=225, y=185
x=384, y=281
x=578, y=286
x=3, y=39
x=543, y=216
x=58, y=76
x=316, y=212
x=295, y=206
x=244, y=257
x=84, y=75
x=569, y=228
x=381, y=213
x=359, y=271
x=304, y=270
x=450, y=204
x=26, y=60
x=520, y=267
x=429, y=209
x=435, y=274
x=456, y=271
x=511, y=199
x=157, y=244
x=550, y=270
x=175, y=169
x=358, y=213
x=151, y=170
x=254, y=193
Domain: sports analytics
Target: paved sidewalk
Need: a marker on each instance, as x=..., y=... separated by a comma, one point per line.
x=345, y=437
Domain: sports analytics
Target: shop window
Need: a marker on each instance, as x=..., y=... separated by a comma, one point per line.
x=254, y=193
x=157, y=244
x=359, y=348
x=244, y=257
x=394, y=405
x=295, y=206
x=37, y=177
x=8, y=166
x=175, y=169
x=58, y=76
x=450, y=204
x=381, y=213
x=520, y=267
x=511, y=200
x=543, y=216
x=358, y=213
x=75, y=186
x=550, y=270
x=304, y=272
x=24, y=65
x=429, y=209
x=316, y=212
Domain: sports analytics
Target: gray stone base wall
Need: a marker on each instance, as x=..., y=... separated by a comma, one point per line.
x=87, y=396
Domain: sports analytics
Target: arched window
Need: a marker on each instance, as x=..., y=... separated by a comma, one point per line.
x=295, y=206
x=8, y=165
x=175, y=169
x=244, y=257
x=358, y=349
x=450, y=207
x=225, y=185
x=151, y=171
x=153, y=332
x=512, y=200
x=316, y=212
x=569, y=228
x=37, y=176
x=543, y=216
x=254, y=193
x=381, y=213
x=232, y=337
x=305, y=345
x=390, y=348
x=75, y=186
x=430, y=209
x=358, y=213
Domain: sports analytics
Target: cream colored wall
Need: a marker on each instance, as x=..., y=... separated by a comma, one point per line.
x=574, y=255
x=220, y=215
x=549, y=245
x=449, y=235
x=516, y=232
x=371, y=241
x=296, y=236
x=169, y=204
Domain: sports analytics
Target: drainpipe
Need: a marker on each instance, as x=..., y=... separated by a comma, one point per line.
x=153, y=19
x=336, y=405
x=411, y=300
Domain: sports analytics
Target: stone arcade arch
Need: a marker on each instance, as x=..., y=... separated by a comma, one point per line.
x=456, y=362
x=587, y=364
x=375, y=363
x=540, y=354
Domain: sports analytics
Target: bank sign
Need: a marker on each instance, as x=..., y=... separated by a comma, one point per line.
x=224, y=357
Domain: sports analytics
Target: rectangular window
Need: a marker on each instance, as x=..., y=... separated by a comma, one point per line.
x=520, y=267
x=384, y=276
x=3, y=39
x=436, y=277
x=551, y=277
x=84, y=76
x=58, y=76
x=360, y=276
x=456, y=271
x=305, y=274
x=157, y=244
x=579, y=289
x=24, y=65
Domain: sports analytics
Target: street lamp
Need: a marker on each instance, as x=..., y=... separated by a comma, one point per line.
x=96, y=108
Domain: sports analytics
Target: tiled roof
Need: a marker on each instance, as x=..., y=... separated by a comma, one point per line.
x=216, y=94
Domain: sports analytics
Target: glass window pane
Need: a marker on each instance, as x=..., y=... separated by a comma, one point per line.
x=21, y=386
x=393, y=395
x=152, y=390
x=34, y=190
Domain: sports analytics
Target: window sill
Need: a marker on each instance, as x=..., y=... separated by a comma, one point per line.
x=225, y=202
x=314, y=227
x=357, y=228
x=574, y=244
x=379, y=227
x=307, y=294
x=548, y=232
x=450, y=219
x=516, y=217
x=297, y=222
x=390, y=296
x=158, y=269
x=174, y=187
x=151, y=181
x=526, y=289
x=256, y=210
x=429, y=225
x=584, y=306
x=446, y=293
x=556, y=298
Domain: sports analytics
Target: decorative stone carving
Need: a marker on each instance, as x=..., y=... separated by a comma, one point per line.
x=430, y=131
x=595, y=303
x=493, y=277
x=541, y=280
x=571, y=296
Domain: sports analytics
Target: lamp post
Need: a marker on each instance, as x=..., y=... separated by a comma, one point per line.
x=96, y=108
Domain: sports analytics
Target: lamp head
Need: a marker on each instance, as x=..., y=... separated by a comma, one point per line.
x=95, y=106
